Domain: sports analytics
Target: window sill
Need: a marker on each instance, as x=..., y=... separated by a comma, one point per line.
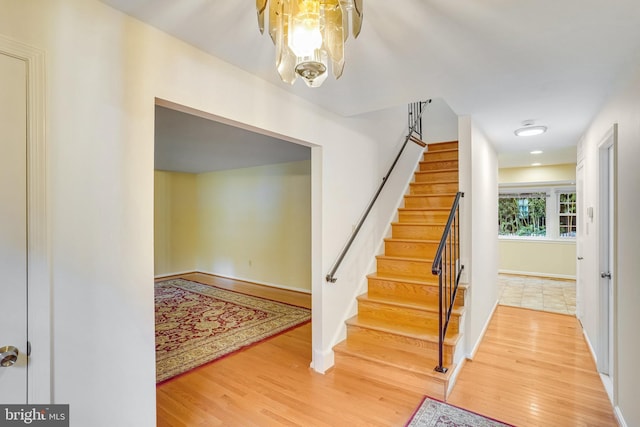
x=532, y=239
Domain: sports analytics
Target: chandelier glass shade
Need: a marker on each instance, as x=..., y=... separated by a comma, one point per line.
x=308, y=34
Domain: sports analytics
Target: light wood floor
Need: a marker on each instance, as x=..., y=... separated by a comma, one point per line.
x=532, y=369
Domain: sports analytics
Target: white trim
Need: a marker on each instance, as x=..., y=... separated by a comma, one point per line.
x=474, y=350
x=322, y=360
x=618, y=412
x=535, y=239
x=177, y=273
x=257, y=282
x=39, y=252
x=454, y=377
x=588, y=341
x=538, y=274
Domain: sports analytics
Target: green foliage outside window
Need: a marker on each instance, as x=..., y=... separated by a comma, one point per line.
x=522, y=216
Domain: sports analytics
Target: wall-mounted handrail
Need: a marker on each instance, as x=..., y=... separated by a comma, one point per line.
x=415, y=111
x=448, y=254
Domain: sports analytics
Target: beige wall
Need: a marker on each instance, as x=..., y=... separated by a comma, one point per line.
x=255, y=224
x=175, y=222
x=538, y=174
x=251, y=224
x=538, y=257
x=550, y=258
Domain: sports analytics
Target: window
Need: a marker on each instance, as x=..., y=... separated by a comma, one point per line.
x=522, y=214
x=537, y=212
x=567, y=214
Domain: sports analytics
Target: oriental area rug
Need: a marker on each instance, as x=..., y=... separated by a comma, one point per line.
x=196, y=324
x=433, y=413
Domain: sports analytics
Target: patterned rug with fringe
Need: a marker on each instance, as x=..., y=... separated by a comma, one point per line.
x=433, y=413
x=196, y=324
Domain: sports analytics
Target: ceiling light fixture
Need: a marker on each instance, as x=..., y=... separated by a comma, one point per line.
x=536, y=164
x=528, y=129
x=309, y=33
x=536, y=152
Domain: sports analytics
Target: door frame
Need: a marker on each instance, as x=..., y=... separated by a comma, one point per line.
x=607, y=231
x=38, y=249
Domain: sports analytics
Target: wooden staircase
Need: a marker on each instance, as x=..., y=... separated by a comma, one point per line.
x=394, y=337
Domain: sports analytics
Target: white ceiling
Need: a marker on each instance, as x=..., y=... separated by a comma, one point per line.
x=501, y=61
x=187, y=143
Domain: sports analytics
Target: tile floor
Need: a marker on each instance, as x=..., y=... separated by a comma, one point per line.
x=538, y=293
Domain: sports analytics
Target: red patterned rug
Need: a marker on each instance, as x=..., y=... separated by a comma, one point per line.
x=197, y=323
x=434, y=413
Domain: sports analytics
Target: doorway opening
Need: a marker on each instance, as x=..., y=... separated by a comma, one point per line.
x=233, y=207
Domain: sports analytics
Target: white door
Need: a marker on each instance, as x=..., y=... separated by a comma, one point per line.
x=581, y=234
x=606, y=249
x=13, y=230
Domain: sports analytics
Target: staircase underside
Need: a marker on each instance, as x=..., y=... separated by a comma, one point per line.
x=394, y=337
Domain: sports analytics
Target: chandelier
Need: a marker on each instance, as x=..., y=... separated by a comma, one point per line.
x=309, y=33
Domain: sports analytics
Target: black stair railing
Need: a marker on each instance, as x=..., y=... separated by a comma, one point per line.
x=415, y=134
x=447, y=266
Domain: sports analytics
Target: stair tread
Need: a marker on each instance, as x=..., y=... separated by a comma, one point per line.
x=448, y=181
x=400, y=302
x=438, y=160
x=439, y=224
x=438, y=170
x=397, y=358
x=446, y=150
x=408, y=279
x=400, y=239
x=403, y=258
x=425, y=209
x=404, y=330
x=432, y=195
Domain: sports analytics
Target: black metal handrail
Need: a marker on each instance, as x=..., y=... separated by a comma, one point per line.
x=415, y=112
x=448, y=254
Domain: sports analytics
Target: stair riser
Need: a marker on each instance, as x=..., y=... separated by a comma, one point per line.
x=428, y=202
x=440, y=155
x=453, y=145
x=410, y=291
x=433, y=188
x=434, y=166
x=405, y=316
x=415, y=269
x=410, y=249
x=427, y=216
x=417, y=231
x=428, y=348
x=436, y=176
x=395, y=377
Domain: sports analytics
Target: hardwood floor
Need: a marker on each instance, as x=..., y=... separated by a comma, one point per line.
x=532, y=369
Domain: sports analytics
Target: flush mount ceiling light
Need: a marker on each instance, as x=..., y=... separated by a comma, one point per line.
x=309, y=33
x=528, y=129
x=536, y=152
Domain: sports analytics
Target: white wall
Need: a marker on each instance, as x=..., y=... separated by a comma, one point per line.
x=104, y=71
x=479, y=245
x=623, y=108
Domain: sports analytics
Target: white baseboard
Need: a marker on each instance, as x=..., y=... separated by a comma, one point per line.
x=474, y=350
x=619, y=417
x=322, y=360
x=538, y=274
x=257, y=282
x=454, y=376
x=177, y=273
